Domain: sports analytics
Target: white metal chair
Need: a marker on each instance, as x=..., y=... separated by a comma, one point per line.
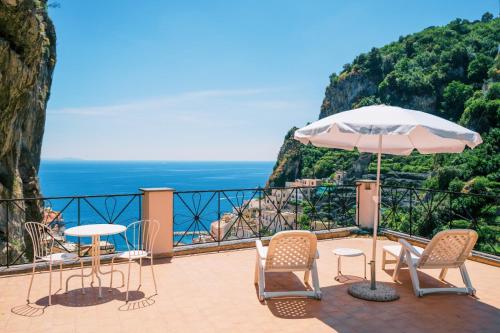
x=140, y=237
x=43, y=245
x=447, y=249
x=288, y=251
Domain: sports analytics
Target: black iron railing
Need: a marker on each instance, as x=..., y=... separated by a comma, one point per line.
x=424, y=212
x=60, y=213
x=216, y=216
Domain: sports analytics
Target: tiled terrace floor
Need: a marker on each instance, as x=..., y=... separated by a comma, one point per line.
x=215, y=293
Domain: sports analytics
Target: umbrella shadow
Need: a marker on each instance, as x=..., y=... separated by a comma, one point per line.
x=349, y=279
x=344, y=313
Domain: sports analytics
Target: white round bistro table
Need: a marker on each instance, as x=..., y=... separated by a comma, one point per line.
x=95, y=231
x=347, y=252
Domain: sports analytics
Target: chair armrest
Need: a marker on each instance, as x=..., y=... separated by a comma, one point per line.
x=261, y=251
x=409, y=247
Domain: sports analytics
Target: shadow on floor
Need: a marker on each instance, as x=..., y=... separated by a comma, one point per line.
x=344, y=313
x=28, y=310
x=137, y=302
x=75, y=298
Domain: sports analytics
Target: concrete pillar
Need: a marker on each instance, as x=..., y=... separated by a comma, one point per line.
x=366, y=190
x=158, y=204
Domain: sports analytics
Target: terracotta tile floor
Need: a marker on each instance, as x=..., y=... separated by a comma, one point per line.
x=215, y=293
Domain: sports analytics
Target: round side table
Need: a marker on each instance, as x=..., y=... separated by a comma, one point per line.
x=347, y=252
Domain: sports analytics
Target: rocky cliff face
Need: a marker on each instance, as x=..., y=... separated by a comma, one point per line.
x=27, y=59
x=288, y=165
x=345, y=92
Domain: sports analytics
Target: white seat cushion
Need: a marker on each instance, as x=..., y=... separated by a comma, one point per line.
x=134, y=254
x=60, y=257
x=395, y=250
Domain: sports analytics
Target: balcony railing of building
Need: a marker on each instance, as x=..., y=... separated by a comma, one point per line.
x=227, y=215
x=422, y=213
x=60, y=213
x=195, y=218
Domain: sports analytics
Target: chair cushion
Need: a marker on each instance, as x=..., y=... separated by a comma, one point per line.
x=134, y=254
x=60, y=257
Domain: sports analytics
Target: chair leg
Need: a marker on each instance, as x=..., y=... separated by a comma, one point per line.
x=466, y=279
x=140, y=273
x=128, y=280
x=413, y=275
x=60, y=276
x=153, y=273
x=31, y=282
x=256, y=271
x=399, y=265
x=315, y=279
x=306, y=276
x=262, y=282
x=111, y=280
x=50, y=283
x=81, y=266
x=442, y=275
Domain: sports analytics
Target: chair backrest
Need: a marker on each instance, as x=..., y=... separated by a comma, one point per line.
x=291, y=250
x=41, y=237
x=448, y=248
x=141, y=235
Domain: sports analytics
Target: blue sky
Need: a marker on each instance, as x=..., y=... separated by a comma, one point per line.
x=209, y=80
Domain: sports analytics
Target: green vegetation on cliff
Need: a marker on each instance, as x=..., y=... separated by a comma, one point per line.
x=451, y=71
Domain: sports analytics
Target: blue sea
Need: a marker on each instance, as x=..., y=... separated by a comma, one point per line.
x=65, y=178
x=79, y=178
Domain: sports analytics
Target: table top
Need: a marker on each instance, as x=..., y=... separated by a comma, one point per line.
x=102, y=229
x=347, y=252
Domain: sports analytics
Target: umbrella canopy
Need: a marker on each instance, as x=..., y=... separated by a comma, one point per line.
x=402, y=131
x=389, y=130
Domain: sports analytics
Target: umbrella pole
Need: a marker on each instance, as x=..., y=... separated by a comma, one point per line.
x=370, y=290
x=376, y=217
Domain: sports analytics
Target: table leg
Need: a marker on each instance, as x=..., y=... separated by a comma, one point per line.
x=339, y=272
x=96, y=260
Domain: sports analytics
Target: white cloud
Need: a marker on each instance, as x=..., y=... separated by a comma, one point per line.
x=195, y=102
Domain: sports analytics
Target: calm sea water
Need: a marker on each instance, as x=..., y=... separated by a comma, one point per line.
x=61, y=178
x=69, y=178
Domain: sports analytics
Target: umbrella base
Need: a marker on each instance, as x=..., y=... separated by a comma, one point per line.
x=383, y=293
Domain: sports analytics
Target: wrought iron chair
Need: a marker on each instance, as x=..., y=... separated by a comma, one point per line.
x=140, y=237
x=288, y=251
x=43, y=245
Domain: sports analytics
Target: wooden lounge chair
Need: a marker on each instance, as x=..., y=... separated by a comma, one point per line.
x=288, y=251
x=447, y=249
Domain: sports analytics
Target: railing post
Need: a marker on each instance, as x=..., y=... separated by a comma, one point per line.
x=411, y=210
x=8, y=235
x=78, y=222
x=365, y=192
x=260, y=212
x=296, y=189
x=158, y=204
x=218, y=219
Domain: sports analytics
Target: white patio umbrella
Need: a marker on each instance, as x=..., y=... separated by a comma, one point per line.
x=385, y=129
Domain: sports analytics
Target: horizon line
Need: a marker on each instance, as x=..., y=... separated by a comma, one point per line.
x=71, y=159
